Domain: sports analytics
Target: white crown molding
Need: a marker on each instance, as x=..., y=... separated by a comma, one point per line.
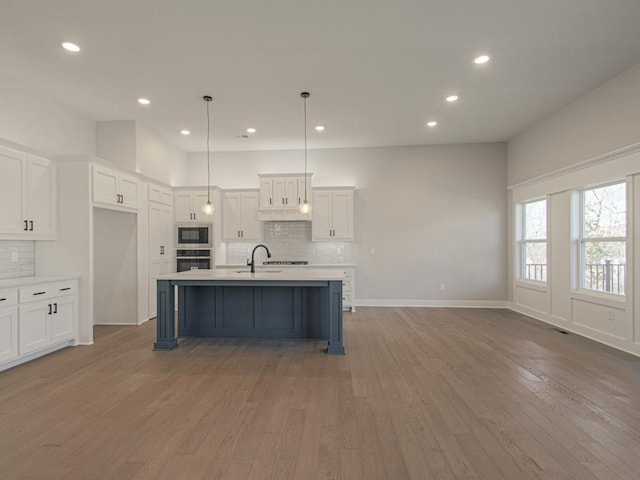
x=606, y=157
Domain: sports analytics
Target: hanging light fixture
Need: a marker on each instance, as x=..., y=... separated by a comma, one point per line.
x=305, y=206
x=208, y=207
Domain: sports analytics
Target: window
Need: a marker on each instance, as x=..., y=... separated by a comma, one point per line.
x=533, y=246
x=603, y=239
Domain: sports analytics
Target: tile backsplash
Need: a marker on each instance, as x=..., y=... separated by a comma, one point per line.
x=17, y=258
x=291, y=241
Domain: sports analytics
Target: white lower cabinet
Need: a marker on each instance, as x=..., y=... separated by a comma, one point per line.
x=43, y=317
x=8, y=333
x=34, y=327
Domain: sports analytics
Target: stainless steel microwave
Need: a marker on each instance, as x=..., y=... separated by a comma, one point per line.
x=194, y=235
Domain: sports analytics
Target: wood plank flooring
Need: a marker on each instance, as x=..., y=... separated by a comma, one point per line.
x=423, y=393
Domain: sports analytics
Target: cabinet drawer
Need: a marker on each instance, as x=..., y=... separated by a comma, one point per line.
x=8, y=297
x=47, y=290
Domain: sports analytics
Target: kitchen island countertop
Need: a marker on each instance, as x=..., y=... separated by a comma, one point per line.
x=274, y=273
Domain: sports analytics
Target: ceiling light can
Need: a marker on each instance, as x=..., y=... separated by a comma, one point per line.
x=71, y=47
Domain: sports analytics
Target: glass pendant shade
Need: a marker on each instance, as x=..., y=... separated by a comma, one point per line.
x=208, y=208
x=304, y=207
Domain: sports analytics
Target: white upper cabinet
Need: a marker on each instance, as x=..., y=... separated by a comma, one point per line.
x=188, y=205
x=332, y=215
x=160, y=194
x=240, y=216
x=114, y=188
x=283, y=192
x=28, y=196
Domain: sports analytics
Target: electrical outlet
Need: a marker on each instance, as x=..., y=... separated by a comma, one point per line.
x=442, y=287
x=339, y=250
x=14, y=256
x=610, y=313
x=372, y=251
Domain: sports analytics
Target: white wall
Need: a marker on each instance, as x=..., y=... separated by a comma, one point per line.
x=158, y=158
x=434, y=215
x=116, y=142
x=30, y=119
x=601, y=121
x=115, y=287
x=611, y=319
x=139, y=149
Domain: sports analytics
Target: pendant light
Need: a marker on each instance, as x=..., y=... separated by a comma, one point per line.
x=305, y=206
x=208, y=207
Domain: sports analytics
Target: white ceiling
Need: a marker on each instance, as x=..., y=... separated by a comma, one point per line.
x=377, y=70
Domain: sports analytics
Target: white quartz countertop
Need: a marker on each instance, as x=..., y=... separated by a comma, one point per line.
x=26, y=281
x=309, y=265
x=274, y=273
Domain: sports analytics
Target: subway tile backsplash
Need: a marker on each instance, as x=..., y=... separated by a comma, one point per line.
x=25, y=263
x=291, y=241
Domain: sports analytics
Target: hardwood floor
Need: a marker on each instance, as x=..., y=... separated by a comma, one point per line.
x=421, y=394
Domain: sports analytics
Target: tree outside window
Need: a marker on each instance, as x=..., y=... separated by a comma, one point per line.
x=534, y=241
x=603, y=238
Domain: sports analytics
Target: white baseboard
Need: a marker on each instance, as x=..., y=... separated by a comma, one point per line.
x=431, y=303
x=623, y=345
x=116, y=324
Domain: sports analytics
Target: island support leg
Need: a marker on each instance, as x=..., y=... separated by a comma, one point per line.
x=335, y=346
x=165, y=323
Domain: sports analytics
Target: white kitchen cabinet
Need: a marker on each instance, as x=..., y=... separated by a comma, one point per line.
x=332, y=215
x=283, y=192
x=240, y=216
x=161, y=248
x=28, y=196
x=47, y=315
x=8, y=324
x=159, y=194
x=188, y=205
x=34, y=326
x=114, y=188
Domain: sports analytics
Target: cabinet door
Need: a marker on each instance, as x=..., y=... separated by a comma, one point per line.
x=199, y=200
x=40, y=196
x=322, y=224
x=291, y=193
x=231, y=217
x=13, y=212
x=105, y=186
x=183, y=205
x=155, y=232
x=279, y=192
x=301, y=192
x=33, y=327
x=166, y=236
x=8, y=333
x=62, y=321
x=342, y=214
x=128, y=189
x=266, y=193
x=250, y=226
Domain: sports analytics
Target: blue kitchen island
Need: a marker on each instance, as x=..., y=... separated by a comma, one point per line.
x=288, y=303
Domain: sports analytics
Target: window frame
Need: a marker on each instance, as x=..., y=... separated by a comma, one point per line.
x=583, y=239
x=523, y=241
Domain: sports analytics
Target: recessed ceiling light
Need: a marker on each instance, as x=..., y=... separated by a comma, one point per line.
x=432, y=123
x=482, y=59
x=452, y=98
x=320, y=128
x=72, y=47
x=144, y=101
x=185, y=132
x=251, y=130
